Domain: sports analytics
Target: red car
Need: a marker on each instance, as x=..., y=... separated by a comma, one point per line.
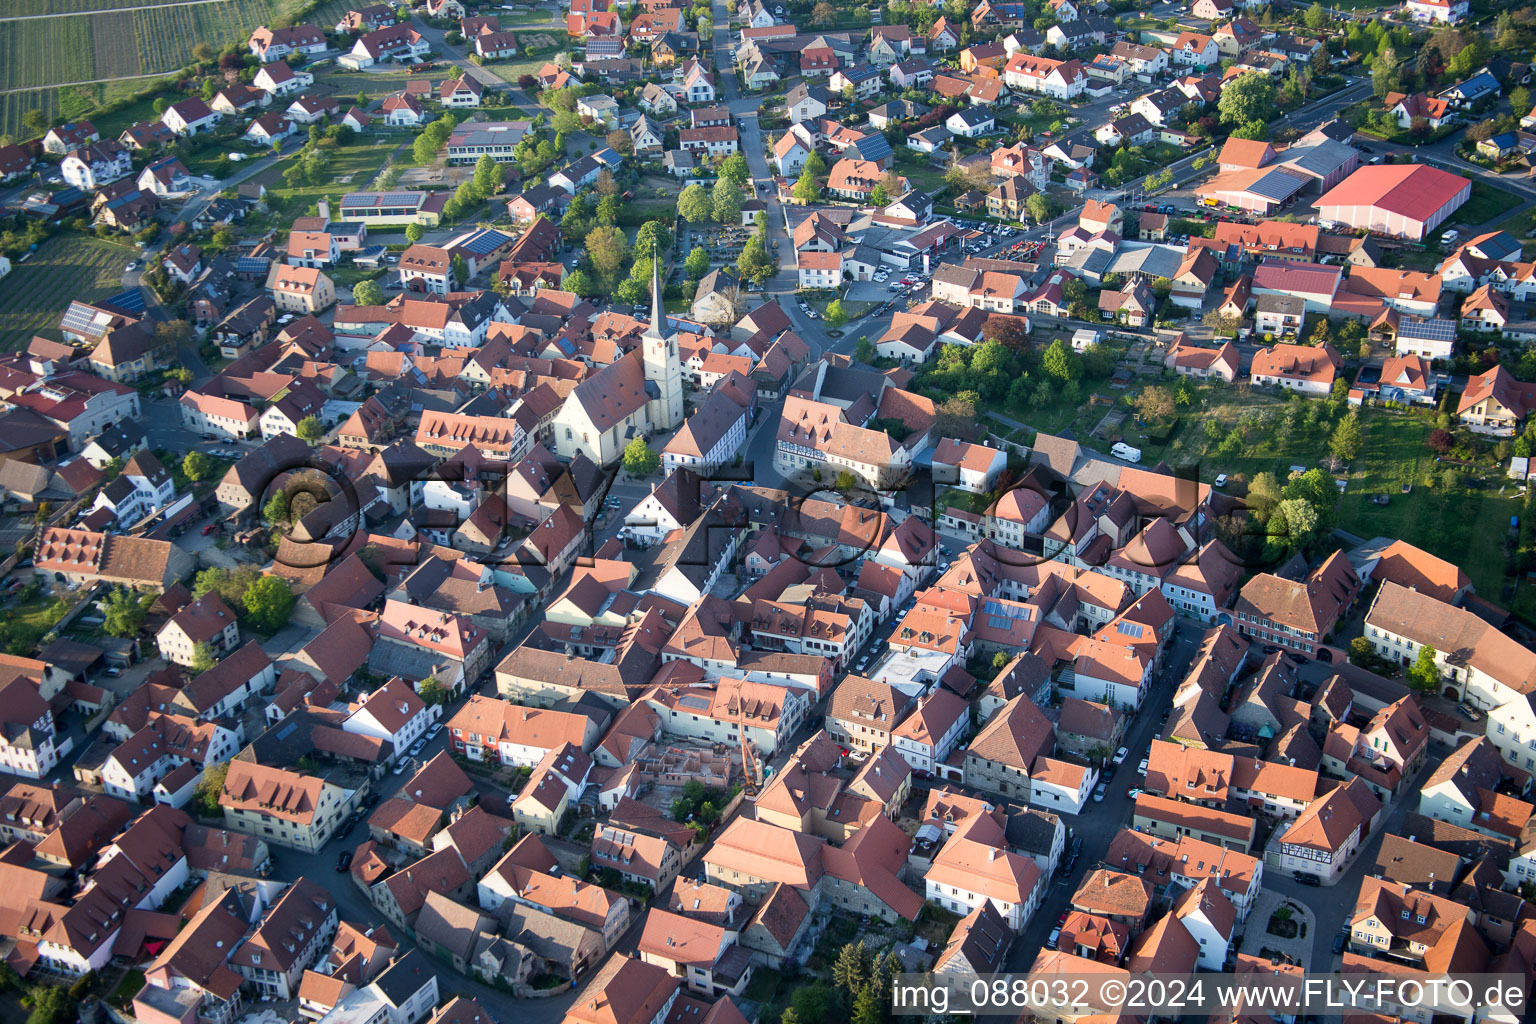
x=210, y=528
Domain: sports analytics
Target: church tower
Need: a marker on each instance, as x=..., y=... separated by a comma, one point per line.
x=663, y=366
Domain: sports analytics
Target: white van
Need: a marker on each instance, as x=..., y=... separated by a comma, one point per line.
x=1126, y=452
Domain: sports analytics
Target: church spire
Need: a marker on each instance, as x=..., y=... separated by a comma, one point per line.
x=657, y=323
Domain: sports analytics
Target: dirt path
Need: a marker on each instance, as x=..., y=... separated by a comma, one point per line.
x=112, y=10
x=91, y=81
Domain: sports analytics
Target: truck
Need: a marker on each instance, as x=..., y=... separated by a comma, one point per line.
x=1121, y=450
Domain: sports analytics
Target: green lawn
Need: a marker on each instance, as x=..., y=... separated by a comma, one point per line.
x=27, y=621
x=527, y=64
x=1487, y=202
x=918, y=171
x=352, y=168
x=66, y=267
x=1467, y=526
x=127, y=989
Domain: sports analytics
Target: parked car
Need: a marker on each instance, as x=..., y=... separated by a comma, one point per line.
x=1339, y=942
x=344, y=861
x=1050, y=943
x=1100, y=792
x=1121, y=755
x=1305, y=879
x=1141, y=769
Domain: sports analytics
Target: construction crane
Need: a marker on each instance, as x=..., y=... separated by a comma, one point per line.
x=749, y=763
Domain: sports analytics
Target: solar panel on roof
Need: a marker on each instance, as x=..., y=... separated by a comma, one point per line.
x=252, y=264
x=1437, y=329
x=130, y=301
x=1276, y=185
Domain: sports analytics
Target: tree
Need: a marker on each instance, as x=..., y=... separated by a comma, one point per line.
x=812, y=1003
x=754, y=263
x=1247, y=98
x=868, y=1006
x=726, y=199
x=1007, y=329
x=1263, y=494
x=202, y=657
x=879, y=197
x=205, y=796
x=806, y=189
x=835, y=315
x=1440, y=441
x=864, y=351
x=1424, y=674
x=653, y=239
x=1386, y=73
x=734, y=168
x=1322, y=332
x=579, y=282
x=488, y=176
x=956, y=417
x=1039, y=207
x=367, y=293
x=639, y=460
x=35, y=123
x=1520, y=100
x=171, y=335
x=123, y=614
x=630, y=292
x=1058, y=362
x=1155, y=404
x=277, y=512
x=608, y=209
x=851, y=968
x=697, y=263
x=197, y=466
x=1316, y=17
x=619, y=141
x=694, y=205
x=1347, y=438
x=1295, y=519
x=50, y=1004
x=229, y=584
x=607, y=249
x=268, y=600
x=413, y=233
x=823, y=14
x=432, y=692
x=309, y=429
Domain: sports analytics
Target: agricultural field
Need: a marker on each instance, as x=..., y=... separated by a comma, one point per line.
x=39, y=55
x=81, y=8
x=66, y=267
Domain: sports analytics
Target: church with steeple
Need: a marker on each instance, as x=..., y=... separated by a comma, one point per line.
x=638, y=394
x=663, y=365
